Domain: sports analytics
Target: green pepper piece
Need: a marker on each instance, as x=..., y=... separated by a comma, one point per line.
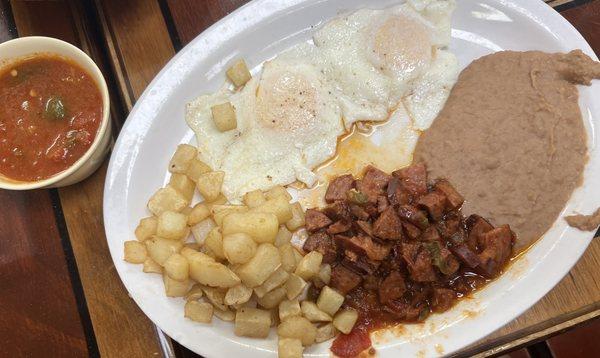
x=356, y=197
x=55, y=108
x=435, y=251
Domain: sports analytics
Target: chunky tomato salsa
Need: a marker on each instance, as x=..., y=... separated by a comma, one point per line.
x=50, y=111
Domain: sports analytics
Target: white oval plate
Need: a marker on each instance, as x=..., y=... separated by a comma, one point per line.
x=258, y=31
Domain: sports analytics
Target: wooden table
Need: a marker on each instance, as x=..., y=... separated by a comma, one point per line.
x=59, y=292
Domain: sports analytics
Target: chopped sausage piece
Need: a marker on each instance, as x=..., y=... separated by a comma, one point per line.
x=414, y=216
x=442, y=299
x=382, y=203
x=454, y=199
x=497, y=245
x=477, y=226
x=373, y=183
x=339, y=227
x=360, y=263
x=343, y=279
x=451, y=264
x=430, y=234
x=413, y=179
x=448, y=226
x=388, y=225
x=403, y=311
x=418, y=263
x=370, y=282
x=339, y=210
x=365, y=226
x=392, y=287
x=338, y=187
x=359, y=212
x=316, y=220
x=435, y=203
x=466, y=255
x=322, y=243
x=396, y=193
x=363, y=245
x=411, y=231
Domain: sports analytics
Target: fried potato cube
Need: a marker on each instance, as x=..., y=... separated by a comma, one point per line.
x=183, y=184
x=294, y=286
x=223, y=116
x=216, y=296
x=224, y=315
x=197, y=168
x=239, y=248
x=199, y=311
x=195, y=293
x=135, y=252
x=160, y=249
x=298, y=327
x=177, y=267
x=190, y=252
x=344, y=320
x=202, y=229
x=284, y=236
x=167, y=199
x=214, y=241
x=151, y=266
x=146, y=228
x=256, y=271
x=313, y=313
x=278, y=206
x=181, y=160
x=289, y=308
x=329, y=300
x=297, y=220
x=199, y=212
x=288, y=260
x=172, y=225
x=238, y=73
x=219, y=212
x=237, y=295
x=309, y=265
x=325, y=333
x=262, y=227
x=254, y=198
x=272, y=299
x=278, y=190
x=324, y=274
x=220, y=200
x=252, y=322
x=205, y=270
x=289, y=348
x=174, y=288
x=277, y=278
x=209, y=185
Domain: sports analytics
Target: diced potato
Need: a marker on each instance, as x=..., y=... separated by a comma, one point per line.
x=197, y=168
x=220, y=211
x=239, y=248
x=189, y=252
x=278, y=206
x=252, y=322
x=288, y=260
x=199, y=311
x=297, y=256
x=289, y=348
x=214, y=241
x=146, y=228
x=238, y=73
x=216, y=296
x=195, y=293
x=177, y=267
x=283, y=237
x=277, y=278
x=181, y=160
x=297, y=219
x=294, y=286
x=325, y=273
x=309, y=265
x=199, y=212
x=209, y=185
x=226, y=315
x=183, y=184
x=174, y=288
x=289, y=308
x=276, y=191
x=262, y=227
x=275, y=317
x=172, y=225
x=329, y=300
x=237, y=295
x=345, y=320
x=202, y=229
x=135, y=252
x=298, y=327
x=160, y=249
x=273, y=298
x=256, y=271
x=254, y=198
x=224, y=117
x=186, y=211
x=207, y=271
x=167, y=199
x=313, y=313
x=325, y=333
x=220, y=200
x=151, y=266
x=191, y=245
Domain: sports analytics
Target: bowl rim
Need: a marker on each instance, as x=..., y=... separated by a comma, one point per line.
x=38, y=46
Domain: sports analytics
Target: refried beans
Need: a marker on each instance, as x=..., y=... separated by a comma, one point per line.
x=511, y=138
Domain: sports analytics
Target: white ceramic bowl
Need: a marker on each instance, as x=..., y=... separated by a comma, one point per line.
x=90, y=161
